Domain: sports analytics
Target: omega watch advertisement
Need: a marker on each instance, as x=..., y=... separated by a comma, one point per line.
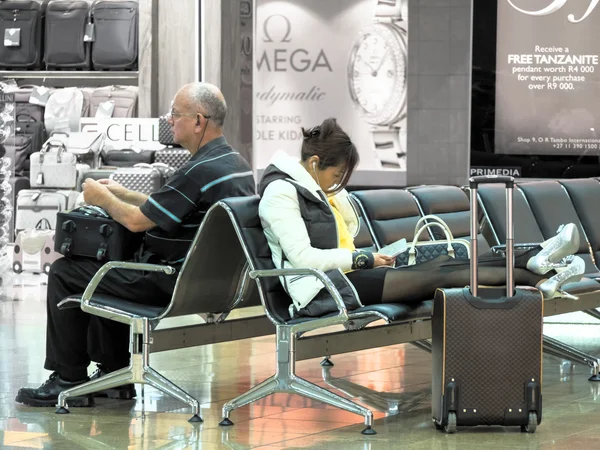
x=548, y=77
x=337, y=58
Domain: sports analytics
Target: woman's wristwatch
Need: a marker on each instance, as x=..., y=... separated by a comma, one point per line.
x=362, y=260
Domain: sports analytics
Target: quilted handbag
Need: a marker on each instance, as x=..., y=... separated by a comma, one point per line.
x=165, y=134
x=144, y=178
x=421, y=251
x=174, y=157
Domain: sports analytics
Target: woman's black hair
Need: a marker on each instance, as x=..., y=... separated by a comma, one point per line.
x=333, y=147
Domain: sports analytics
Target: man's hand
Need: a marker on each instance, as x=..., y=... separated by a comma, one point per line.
x=114, y=187
x=94, y=193
x=383, y=260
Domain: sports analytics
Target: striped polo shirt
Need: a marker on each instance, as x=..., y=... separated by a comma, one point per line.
x=213, y=173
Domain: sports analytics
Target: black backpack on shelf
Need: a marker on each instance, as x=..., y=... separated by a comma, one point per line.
x=22, y=28
x=115, y=44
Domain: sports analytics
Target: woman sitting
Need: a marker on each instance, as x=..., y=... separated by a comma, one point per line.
x=309, y=222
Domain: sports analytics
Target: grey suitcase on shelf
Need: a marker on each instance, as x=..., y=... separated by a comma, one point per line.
x=124, y=99
x=21, y=24
x=115, y=44
x=23, y=106
x=65, y=43
x=35, y=205
x=174, y=157
x=145, y=179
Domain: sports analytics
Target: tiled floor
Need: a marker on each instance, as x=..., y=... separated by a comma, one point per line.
x=217, y=373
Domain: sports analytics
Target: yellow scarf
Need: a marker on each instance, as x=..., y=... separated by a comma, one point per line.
x=346, y=239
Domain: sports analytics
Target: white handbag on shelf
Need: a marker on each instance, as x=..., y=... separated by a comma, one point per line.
x=53, y=167
x=85, y=146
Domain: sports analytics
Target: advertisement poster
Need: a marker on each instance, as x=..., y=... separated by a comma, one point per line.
x=548, y=77
x=316, y=59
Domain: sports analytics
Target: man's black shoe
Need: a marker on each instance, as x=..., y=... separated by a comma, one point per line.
x=125, y=392
x=47, y=393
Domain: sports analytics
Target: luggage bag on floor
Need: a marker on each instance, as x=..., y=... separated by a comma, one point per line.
x=34, y=249
x=89, y=231
x=35, y=205
x=18, y=184
x=487, y=345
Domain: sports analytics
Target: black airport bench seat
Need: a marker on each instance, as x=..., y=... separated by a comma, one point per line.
x=229, y=271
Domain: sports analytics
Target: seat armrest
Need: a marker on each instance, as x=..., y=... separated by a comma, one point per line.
x=327, y=283
x=69, y=303
x=97, y=278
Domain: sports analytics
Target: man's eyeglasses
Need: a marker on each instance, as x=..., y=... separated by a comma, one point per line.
x=176, y=115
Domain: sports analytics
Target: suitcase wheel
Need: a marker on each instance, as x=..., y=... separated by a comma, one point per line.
x=451, y=425
x=531, y=424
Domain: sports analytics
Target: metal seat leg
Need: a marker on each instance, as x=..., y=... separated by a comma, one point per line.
x=261, y=390
x=423, y=345
x=307, y=389
x=156, y=380
x=111, y=380
x=561, y=350
x=595, y=313
x=286, y=381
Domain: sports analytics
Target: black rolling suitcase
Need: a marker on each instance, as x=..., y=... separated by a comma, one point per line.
x=89, y=231
x=487, y=345
x=66, y=42
x=22, y=30
x=115, y=44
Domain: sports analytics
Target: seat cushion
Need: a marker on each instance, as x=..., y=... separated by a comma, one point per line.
x=392, y=213
x=134, y=309
x=394, y=312
x=583, y=286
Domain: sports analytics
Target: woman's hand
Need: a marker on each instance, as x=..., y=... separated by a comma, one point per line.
x=383, y=260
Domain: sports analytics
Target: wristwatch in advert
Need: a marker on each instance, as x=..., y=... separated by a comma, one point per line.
x=377, y=80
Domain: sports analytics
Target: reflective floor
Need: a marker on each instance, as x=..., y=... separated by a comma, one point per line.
x=217, y=373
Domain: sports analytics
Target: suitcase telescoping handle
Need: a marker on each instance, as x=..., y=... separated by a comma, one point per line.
x=509, y=182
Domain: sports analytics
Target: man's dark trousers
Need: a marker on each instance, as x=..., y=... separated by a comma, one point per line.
x=68, y=349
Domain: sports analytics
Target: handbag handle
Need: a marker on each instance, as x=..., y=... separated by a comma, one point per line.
x=45, y=222
x=434, y=219
x=27, y=116
x=61, y=148
x=64, y=133
x=412, y=250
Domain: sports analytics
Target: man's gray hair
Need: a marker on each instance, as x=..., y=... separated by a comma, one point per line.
x=208, y=97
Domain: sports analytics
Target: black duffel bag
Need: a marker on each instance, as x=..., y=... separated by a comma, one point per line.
x=126, y=157
x=89, y=231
